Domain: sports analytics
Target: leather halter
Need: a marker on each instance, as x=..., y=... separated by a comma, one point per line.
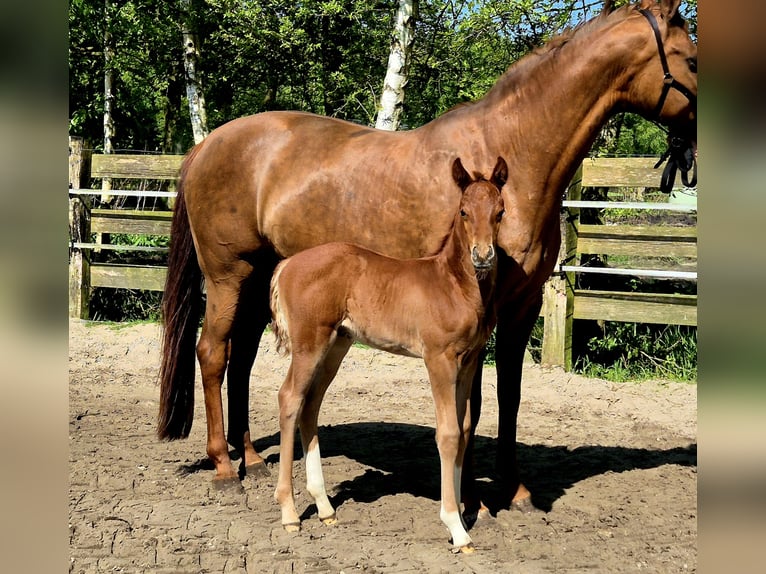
x=668, y=80
x=679, y=154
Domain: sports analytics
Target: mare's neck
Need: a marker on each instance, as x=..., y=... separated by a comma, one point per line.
x=549, y=107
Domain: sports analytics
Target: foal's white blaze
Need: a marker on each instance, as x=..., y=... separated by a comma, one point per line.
x=315, y=482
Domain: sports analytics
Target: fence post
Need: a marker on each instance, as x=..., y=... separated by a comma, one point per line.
x=558, y=291
x=79, y=231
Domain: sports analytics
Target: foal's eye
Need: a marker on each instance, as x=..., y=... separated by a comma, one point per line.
x=463, y=214
x=692, y=62
x=500, y=215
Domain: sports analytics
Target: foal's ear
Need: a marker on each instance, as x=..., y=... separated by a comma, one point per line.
x=460, y=175
x=500, y=173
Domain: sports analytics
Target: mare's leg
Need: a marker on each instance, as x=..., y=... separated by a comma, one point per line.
x=443, y=373
x=513, y=330
x=253, y=315
x=212, y=353
x=309, y=432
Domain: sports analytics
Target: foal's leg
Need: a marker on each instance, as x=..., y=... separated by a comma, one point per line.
x=291, y=397
x=469, y=491
x=304, y=365
x=308, y=427
x=443, y=373
x=463, y=409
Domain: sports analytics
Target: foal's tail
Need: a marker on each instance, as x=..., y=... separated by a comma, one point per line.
x=181, y=310
x=278, y=319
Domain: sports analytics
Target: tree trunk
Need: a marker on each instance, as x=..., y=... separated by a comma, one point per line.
x=392, y=97
x=106, y=183
x=194, y=92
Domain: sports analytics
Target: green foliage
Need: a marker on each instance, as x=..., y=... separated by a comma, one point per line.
x=624, y=351
x=323, y=56
x=125, y=305
x=634, y=351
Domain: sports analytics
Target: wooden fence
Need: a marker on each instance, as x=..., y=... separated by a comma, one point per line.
x=562, y=301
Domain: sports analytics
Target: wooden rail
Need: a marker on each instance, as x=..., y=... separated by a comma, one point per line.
x=563, y=303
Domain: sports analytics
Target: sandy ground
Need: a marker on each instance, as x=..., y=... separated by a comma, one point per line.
x=613, y=466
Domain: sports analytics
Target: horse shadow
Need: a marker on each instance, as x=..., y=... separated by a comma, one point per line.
x=403, y=458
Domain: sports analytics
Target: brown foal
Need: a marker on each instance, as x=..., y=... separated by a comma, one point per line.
x=438, y=308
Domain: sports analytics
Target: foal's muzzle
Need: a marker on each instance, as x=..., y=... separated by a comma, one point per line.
x=483, y=261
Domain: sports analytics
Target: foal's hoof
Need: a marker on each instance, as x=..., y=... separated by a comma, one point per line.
x=257, y=470
x=292, y=527
x=524, y=505
x=332, y=519
x=228, y=483
x=467, y=549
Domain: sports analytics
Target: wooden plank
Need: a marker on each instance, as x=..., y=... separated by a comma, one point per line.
x=642, y=205
x=125, y=193
x=131, y=221
x=649, y=232
x=634, y=247
x=620, y=172
x=79, y=261
x=665, y=309
x=638, y=240
x=128, y=276
x=119, y=247
x=557, y=324
x=135, y=166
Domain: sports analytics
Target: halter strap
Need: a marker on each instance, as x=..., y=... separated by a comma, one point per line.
x=679, y=155
x=668, y=80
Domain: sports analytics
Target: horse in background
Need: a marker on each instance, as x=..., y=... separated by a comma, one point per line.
x=265, y=187
x=437, y=307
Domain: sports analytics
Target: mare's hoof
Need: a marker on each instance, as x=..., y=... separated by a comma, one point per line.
x=467, y=549
x=228, y=483
x=292, y=527
x=257, y=470
x=524, y=505
x=478, y=518
x=483, y=514
x=332, y=519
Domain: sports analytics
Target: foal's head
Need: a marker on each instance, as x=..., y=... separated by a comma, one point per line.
x=481, y=210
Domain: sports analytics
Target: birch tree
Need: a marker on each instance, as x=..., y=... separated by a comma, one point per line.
x=194, y=93
x=392, y=96
x=106, y=183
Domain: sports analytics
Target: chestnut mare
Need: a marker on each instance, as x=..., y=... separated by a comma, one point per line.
x=437, y=307
x=265, y=187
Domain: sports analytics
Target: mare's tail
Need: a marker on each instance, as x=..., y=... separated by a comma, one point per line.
x=181, y=310
x=278, y=319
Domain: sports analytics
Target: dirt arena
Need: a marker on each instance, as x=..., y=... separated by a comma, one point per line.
x=613, y=466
